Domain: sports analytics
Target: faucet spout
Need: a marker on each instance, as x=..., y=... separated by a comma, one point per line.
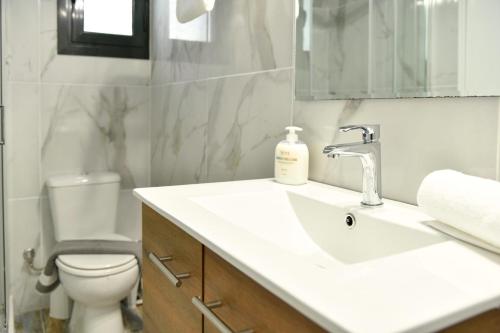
x=343, y=149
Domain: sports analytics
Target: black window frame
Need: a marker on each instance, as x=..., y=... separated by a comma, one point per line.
x=73, y=40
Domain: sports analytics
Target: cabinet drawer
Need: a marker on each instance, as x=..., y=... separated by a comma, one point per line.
x=168, y=306
x=245, y=304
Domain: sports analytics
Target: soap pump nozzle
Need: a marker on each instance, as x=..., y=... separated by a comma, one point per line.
x=292, y=136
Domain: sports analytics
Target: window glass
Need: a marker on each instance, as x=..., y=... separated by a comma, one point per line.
x=108, y=16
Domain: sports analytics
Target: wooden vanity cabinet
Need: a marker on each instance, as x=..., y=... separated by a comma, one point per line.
x=487, y=322
x=168, y=308
x=245, y=304
x=242, y=304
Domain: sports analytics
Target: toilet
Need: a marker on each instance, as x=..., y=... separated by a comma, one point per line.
x=85, y=207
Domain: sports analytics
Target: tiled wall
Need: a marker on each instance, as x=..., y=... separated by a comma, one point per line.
x=418, y=136
x=64, y=114
x=219, y=107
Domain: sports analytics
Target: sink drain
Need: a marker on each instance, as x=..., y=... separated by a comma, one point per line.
x=350, y=221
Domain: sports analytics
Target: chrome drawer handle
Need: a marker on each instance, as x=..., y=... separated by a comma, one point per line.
x=171, y=276
x=206, y=310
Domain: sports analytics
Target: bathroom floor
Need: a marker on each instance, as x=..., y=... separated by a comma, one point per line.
x=40, y=322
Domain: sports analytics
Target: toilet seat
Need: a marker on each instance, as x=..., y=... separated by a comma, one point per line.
x=96, y=265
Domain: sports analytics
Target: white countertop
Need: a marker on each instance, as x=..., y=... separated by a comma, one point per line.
x=421, y=290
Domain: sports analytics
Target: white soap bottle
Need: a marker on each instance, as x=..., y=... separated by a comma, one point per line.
x=291, y=164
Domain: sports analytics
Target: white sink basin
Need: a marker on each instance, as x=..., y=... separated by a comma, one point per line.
x=304, y=225
x=368, y=238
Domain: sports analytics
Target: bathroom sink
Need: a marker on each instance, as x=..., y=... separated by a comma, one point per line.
x=341, y=228
x=296, y=242
x=356, y=237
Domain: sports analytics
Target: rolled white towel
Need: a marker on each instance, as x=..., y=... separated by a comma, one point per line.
x=188, y=10
x=467, y=203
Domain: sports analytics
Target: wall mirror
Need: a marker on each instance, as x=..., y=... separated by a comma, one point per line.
x=348, y=49
x=105, y=28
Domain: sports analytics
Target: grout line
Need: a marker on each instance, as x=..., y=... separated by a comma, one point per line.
x=294, y=56
x=27, y=198
x=498, y=140
x=223, y=77
x=150, y=125
x=39, y=113
x=41, y=83
x=45, y=196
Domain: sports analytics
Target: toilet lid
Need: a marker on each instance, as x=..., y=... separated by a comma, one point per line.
x=97, y=261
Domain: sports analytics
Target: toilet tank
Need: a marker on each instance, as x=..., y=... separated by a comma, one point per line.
x=83, y=206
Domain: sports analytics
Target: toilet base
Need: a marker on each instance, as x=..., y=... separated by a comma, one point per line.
x=86, y=319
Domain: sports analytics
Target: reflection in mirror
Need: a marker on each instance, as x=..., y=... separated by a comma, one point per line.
x=197, y=30
x=108, y=16
x=397, y=48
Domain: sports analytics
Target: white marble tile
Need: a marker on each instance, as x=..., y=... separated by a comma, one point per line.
x=22, y=136
x=247, y=116
x=47, y=236
x=21, y=40
x=179, y=120
x=383, y=37
x=245, y=36
x=173, y=60
x=23, y=231
x=56, y=68
x=249, y=36
x=159, y=41
x=129, y=221
x=96, y=128
x=418, y=136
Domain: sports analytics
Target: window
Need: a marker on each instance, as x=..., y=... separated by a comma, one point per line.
x=105, y=28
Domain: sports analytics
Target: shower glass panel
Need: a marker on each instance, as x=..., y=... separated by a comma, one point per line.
x=3, y=293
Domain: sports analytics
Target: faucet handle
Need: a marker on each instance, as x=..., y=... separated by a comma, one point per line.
x=371, y=133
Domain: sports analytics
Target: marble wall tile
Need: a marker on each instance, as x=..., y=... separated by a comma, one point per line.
x=179, y=123
x=64, y=114
x=56, y=68
x=47, y=235
x=247, y=116
x=22, y=137
x=96, y=128
x=418, y=136
x=159, y=41
x=260, y=38
x=23, y=231
x=129, y=216
x=382, y=59
x=173, y=60
x=21, y=40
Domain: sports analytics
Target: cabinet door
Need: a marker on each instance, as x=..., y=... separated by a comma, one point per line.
x=486, y=322
x=168, y=307
x=245, y=304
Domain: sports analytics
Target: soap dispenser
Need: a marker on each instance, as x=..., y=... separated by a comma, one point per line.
x=291, y=164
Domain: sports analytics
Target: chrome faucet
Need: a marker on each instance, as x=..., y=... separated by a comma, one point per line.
x=369, y=152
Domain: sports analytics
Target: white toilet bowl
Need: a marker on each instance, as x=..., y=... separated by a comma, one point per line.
x=97, y=284
x=85, y=207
